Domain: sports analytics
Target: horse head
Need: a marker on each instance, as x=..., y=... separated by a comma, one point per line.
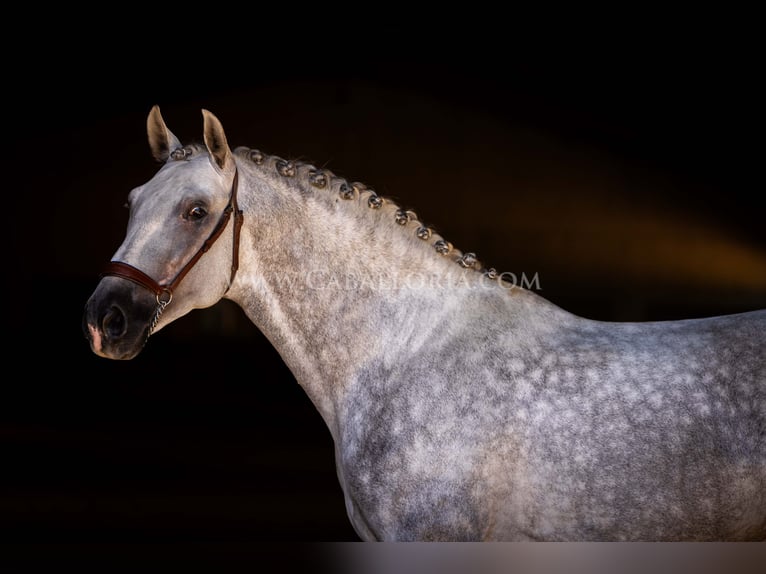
x=171, y=252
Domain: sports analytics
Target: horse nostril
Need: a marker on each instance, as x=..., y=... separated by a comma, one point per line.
x=113, y=323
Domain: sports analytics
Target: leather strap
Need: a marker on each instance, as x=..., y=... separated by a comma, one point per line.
x=120, y=269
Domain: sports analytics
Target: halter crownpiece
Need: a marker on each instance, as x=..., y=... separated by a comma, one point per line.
x=164, y=291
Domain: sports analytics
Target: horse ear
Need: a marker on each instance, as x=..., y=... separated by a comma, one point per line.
x=215, y=140
x=161, y=139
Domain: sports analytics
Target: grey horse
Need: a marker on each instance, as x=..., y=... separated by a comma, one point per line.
x=462, y=407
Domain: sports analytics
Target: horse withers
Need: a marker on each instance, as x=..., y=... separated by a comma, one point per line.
x=461, y=407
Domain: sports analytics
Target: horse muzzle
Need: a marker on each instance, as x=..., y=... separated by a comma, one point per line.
x=117, y=319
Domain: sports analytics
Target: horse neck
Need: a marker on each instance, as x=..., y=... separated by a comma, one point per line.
x=335, y=283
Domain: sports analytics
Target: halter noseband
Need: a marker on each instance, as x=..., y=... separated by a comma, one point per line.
x=164, y=291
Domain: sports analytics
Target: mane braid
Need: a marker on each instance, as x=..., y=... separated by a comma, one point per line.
x=311, y=179
x=187, y=152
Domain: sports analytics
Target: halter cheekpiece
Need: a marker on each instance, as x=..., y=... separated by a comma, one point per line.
x=164, y=291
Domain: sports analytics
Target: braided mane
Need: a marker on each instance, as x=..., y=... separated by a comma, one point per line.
x=310, y=179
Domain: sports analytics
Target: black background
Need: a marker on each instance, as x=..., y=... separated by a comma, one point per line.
x=621, y=162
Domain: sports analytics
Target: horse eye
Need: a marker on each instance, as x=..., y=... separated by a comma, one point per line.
x=197, y=212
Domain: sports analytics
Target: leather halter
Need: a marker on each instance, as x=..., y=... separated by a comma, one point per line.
x=126, y=271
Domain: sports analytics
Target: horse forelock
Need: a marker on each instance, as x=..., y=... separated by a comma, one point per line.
x=378, y=211
x=187, y=152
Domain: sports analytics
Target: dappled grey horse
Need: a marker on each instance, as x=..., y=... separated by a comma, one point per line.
x=462, y=407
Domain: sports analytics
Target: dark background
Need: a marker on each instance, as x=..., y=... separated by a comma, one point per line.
x=622, y=163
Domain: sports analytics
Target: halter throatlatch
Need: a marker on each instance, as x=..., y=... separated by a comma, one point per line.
x=164, y=291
